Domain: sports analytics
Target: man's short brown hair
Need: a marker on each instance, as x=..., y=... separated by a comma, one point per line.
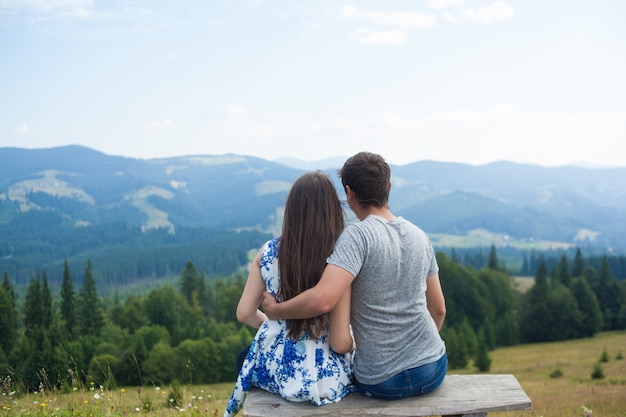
x=369, y=176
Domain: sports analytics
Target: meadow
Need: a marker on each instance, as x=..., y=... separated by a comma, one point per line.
x=556, y=376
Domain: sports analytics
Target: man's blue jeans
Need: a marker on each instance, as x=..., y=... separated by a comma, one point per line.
x=415, y=381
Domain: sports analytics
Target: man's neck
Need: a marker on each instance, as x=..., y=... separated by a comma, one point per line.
x=383, y=212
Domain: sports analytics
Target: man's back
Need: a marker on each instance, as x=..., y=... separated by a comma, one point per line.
x=393, y=328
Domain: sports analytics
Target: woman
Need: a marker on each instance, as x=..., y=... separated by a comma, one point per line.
x=302, y=360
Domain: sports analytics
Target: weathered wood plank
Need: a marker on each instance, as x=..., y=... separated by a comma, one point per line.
x=458, y=395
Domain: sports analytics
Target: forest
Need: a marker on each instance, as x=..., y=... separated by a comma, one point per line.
x=42, y=240
x=188, y=333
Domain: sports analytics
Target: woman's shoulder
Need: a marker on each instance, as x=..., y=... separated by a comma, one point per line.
x=269, y=252
x=270, y=248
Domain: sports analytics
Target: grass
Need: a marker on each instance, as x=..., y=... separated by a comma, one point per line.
x=194, y=400
x=537, y=367
x=556, y=377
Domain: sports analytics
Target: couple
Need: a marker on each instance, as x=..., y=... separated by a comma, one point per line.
x=377, y=278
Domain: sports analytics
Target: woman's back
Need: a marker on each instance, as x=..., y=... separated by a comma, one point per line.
x=302, y=369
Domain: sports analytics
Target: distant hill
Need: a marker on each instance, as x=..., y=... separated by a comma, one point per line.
x=78, y=189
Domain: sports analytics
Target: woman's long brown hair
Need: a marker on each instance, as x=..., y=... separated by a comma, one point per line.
x=312, y=223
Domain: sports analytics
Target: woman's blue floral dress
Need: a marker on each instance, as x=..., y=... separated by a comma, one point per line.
x=302, y=370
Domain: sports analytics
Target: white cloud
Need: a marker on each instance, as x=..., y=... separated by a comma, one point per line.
x=231, y=111
x=467, y=117
x=387, y=120
x=337, y=126
x=23, y=128
x=403, y=20
x=442, y=4
x=265, y=131
x=449, y=17
x=385, y=37
x=315, y=127
x=500, y=111
x=160, y=125
x=60, y=8
x=497, y=10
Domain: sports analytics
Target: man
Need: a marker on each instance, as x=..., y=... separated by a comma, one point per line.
x=398, y=306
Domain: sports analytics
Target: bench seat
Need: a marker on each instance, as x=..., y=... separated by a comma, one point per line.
x=458, y=395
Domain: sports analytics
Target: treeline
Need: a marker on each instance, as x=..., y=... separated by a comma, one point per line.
x=486, y=309
x=189, y=334
x=527, y=262
x=43, y=240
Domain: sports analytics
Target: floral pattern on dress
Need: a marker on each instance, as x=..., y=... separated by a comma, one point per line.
x=298, y=370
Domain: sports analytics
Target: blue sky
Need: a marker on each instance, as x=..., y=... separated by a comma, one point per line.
x=471, y=81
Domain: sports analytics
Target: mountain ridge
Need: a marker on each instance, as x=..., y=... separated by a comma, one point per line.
x=81, y=188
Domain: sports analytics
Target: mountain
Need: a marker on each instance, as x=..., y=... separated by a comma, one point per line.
x=51, y=198
x=572, y=205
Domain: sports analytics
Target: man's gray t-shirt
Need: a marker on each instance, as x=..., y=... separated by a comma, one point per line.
x=392, y=326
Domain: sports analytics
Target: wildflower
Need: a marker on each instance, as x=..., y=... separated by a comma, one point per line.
x=122, y=390
x=86, y=402
x=96, y=396
x=588, y=412
x=42, y=405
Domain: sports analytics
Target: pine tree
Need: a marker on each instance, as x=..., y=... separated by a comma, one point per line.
x=564, y=320
x=541, y=279
x=90, y=317
x=563, y=271
x=456, y=349
x=33, y=311
x=68, y=301
x=579, y=264
x=189, y=283
x=8, y=287
x=534, y=309
x=493, y=263
x=588, y=305
x=483, y=360
x=8, y=316
x=607, y=291
x=46, y=302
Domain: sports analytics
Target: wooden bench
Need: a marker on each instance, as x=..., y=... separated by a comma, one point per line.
x=458, y=395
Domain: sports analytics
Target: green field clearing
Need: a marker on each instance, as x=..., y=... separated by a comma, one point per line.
x=534, y=365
